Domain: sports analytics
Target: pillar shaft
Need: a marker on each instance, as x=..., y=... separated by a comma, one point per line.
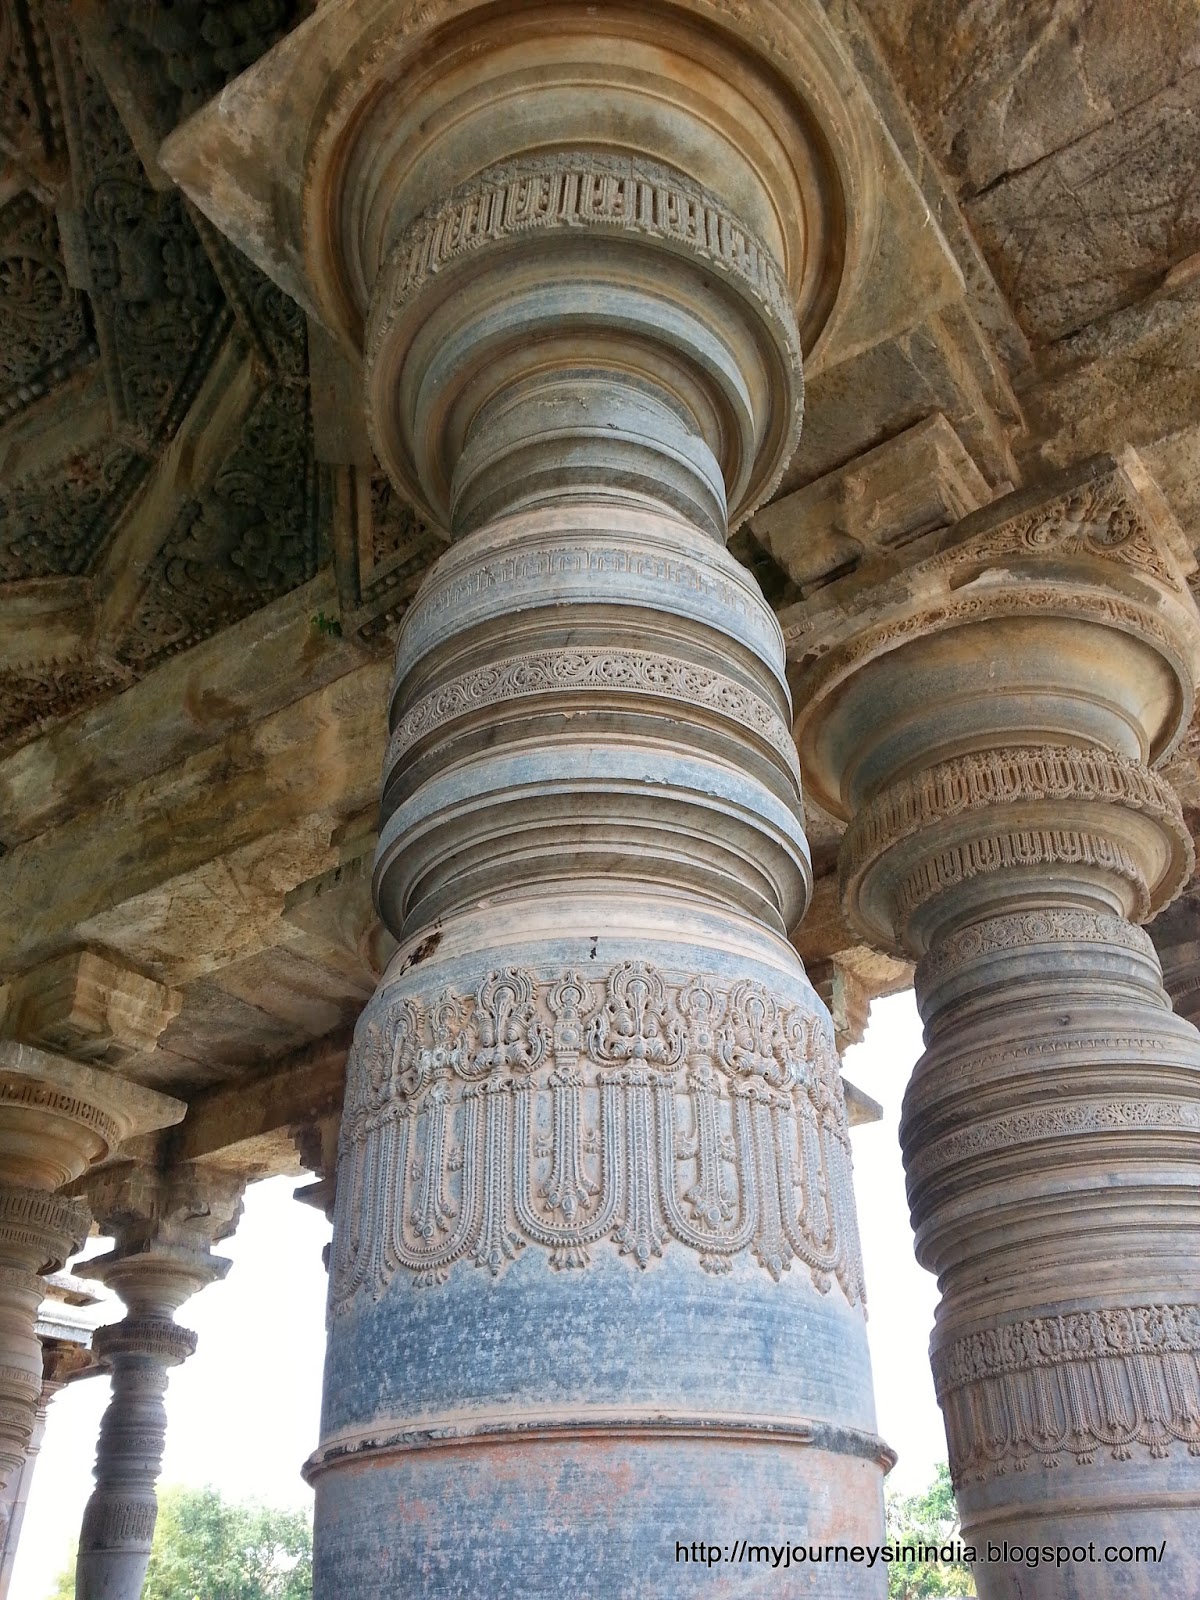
x=38, y=1231
x=594, y=1130
x=163, y=1224
x=118, y=1521
x=16, y=1494
x=990, y=735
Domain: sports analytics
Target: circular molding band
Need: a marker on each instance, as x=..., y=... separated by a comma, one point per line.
x=990, y=780
x=580, y=198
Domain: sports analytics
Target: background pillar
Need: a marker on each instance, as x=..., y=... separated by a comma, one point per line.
x=990, y=728
x=56, y=1117
x=164, y=1225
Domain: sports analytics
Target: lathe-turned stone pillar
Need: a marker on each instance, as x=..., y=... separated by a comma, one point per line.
x=163, y=1226
x=63, y=1359
x=595, y=1283
x=56, y=1117
x=990, y=726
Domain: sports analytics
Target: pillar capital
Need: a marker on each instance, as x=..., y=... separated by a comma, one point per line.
x=998, y=708
x=164, y=1224
x=58, y=1115
x=589, y=322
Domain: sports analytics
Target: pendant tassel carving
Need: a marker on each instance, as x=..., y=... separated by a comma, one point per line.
x=565, y=1113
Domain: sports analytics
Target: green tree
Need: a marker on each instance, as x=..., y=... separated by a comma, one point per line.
x=928, y=1518
x=208, y=1548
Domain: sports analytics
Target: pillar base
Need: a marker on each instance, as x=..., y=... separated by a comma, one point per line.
x=609, y=1514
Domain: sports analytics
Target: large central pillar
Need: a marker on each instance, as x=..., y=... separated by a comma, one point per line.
x=595, y=1287
x=990, y=726
x=596, y=1292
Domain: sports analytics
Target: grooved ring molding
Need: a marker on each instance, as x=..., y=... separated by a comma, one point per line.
x=630, y=671
x=1014, y=775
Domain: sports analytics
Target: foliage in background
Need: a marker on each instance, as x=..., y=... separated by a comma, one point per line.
x=929, y=1518
x=208, y=1548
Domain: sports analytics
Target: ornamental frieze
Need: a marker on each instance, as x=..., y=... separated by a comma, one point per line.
x=570, y=1111
x=1096, y=519
x=1071, y=1386
x=886, y=844
x=1021, y=1128
x=828, y=657
x=584, y=191
x=641, y=672
x=996, y=935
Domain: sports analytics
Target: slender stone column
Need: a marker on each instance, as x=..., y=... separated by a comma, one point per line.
x=163, y=1226
x=990, y=727
x=15, y=1496
x=56, y=1116
x=16, y=1493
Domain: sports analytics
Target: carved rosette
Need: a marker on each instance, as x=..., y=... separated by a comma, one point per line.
x=991, y=738
x=570, y=1110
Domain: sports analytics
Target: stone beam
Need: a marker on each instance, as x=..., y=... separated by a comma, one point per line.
x=44, y=619
x=276, y=792
x=88, y=1006
x=249, y=1127
x=187, y=704
x=850, y=980
x=184, y=469
x=921, y=480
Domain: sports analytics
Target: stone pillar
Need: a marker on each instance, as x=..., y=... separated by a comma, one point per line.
x=596, y=1289
x=62, y=1361
x=990, y=725
x=595, y=1285
x=56, y=1117
x=164, y=1225
x=15, y=1495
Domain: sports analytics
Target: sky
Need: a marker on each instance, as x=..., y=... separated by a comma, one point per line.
x=242, y=1414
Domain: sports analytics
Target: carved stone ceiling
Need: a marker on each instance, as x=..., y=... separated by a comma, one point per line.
x=200, y=566
x=158, y=478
